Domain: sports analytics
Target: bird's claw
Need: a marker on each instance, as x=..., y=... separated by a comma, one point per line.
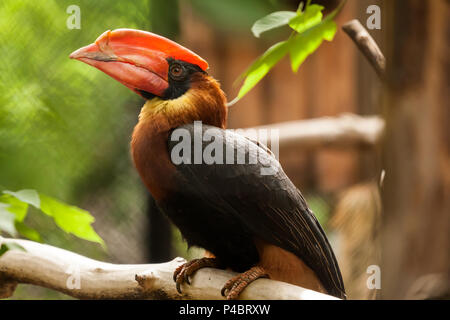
x=233, y=287
x=183, y=272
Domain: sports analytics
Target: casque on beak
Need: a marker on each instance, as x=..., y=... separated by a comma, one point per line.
x=137, y=59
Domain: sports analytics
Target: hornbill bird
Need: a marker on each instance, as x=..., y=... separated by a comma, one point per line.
x=253, y=223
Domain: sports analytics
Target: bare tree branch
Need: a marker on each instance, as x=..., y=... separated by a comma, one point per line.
x=348, y=130
x=84, y=278
x=366, y=45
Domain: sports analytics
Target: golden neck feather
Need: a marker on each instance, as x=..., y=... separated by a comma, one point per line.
x=204, y=101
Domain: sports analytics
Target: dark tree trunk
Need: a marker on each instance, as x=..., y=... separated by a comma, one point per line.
x=416, y=196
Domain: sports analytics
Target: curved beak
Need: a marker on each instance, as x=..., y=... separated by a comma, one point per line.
x=137, y=59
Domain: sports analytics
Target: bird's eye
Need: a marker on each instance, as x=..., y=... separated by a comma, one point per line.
x=176, y=70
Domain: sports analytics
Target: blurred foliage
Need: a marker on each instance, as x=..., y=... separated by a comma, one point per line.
x=58, y=118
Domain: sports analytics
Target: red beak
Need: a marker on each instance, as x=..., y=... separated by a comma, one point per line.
x=135, y=58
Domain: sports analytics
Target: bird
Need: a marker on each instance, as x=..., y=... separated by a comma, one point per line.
x=256, y=224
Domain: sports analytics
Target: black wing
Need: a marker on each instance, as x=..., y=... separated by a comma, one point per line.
x=259, y=194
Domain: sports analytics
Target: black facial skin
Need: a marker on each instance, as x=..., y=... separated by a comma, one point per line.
x=180, y=73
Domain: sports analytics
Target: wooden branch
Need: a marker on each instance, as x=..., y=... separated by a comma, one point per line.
x=84, y=278
x=347, y=130
x=366, y=45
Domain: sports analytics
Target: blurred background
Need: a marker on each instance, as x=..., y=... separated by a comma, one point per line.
x=65, y=127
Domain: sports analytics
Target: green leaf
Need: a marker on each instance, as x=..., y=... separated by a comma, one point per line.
x=262, y=66
x=28, y=196
x=16, y=207
x=7, y=220
x=28, y=232
x=307, y=19
x=70, y=218
x=300, y=46
x=304, y=44
x=272, y=21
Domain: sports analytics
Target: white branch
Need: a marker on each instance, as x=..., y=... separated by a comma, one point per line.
x=84, y=278
x=348, y=130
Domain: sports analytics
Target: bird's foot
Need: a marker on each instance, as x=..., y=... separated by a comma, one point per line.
x=184, y=271
x=233, y=287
